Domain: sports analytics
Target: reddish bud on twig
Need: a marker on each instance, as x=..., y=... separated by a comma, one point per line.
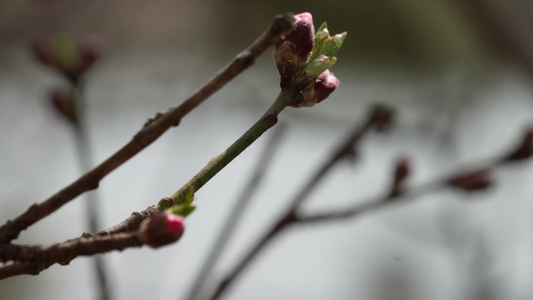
x=63, y=102
x=525, y=149
x=383, y=117
x=90, y=49
x=292, y=51
x=474, y=181
x=325, y=84
x=401, y=172
x=44, y=51
x=161, y=229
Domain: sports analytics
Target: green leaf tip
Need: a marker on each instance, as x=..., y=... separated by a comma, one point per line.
x=182, y=210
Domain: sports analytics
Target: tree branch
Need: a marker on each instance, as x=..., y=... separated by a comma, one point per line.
x=33, y=259
x=149, y=133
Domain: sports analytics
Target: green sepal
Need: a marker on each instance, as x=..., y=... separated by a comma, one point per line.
x=182, y=210
x=320, y=65
x=322, y=33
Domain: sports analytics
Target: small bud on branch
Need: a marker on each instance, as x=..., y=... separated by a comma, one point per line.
x=63, y=102
x=474, y=181
x=161, y=229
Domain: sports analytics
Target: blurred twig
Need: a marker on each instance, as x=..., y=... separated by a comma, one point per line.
x=467, y=179
x=236, y=213
x=92, y=201
x=500, y=25
x=150, y=132
x=380, y=118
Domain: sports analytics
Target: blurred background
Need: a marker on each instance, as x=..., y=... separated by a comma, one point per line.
x=458, y=72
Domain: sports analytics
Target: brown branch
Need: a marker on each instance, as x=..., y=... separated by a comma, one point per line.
x=236, y=214
x=379, y=118
x=32, y=260
x=148, y=134
x=130, y=224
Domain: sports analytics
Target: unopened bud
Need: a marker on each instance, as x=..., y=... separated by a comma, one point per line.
x=325, y=84
x=90, y=49
x=474, y=181
x=161, y=229
x=44, y=51
x=382, y=117
x=63, y=102
x=292, y=52
x=401, y=172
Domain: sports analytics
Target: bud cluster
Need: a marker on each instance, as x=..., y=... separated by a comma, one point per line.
x=303, y=58
x=71, y=59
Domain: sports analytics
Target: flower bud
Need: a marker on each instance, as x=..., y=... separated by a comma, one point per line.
x=474, y=181
x=63, y=102
x=90, y=49
x=292, y=52
x=161, y=229
x=382, y=117
x=44, y=51
x=402, y=171
x=325, y=84
x=302, y=35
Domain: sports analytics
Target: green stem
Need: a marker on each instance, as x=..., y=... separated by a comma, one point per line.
x=216, y=164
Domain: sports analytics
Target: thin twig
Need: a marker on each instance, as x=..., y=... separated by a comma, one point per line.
x=466, y=179
x=236, y=213
x=85, y=157
x=379, y=118
x=269, y=119
x=149, y=133
x=501, y=29
x=92, y=201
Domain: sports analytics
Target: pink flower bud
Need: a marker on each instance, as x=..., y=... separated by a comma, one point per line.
x=302, y=35
x=161, y=229
x=325, y=84
x=293, y=50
